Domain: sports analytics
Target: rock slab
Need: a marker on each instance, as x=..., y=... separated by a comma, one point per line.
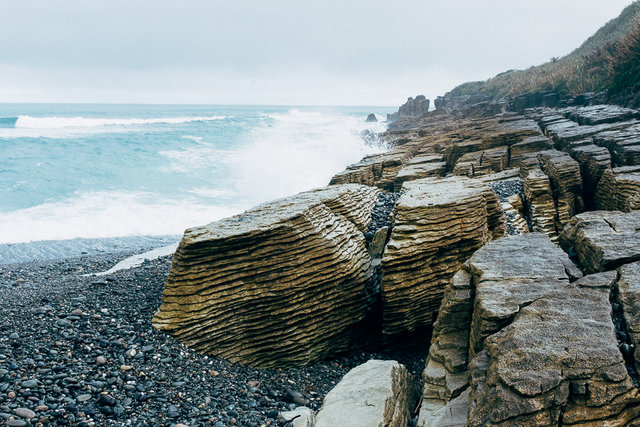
x=376, y=393
x=438, y=224
x=283, y=284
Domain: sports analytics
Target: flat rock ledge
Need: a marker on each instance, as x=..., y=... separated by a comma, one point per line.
x=603, y=240
x=376, y=393
x=438, y=224
x=523, y=340
x=283, y=284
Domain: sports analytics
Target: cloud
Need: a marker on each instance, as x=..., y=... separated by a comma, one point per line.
x=281, y=51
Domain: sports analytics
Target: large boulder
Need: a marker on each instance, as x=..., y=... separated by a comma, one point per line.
x=603, y=240
x=375, y=394
x=283, y=284
x=438, y=224
x=523, y=340
x=556, y=363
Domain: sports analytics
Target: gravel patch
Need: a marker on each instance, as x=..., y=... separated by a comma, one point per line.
x=78, y=350
x=507, y=188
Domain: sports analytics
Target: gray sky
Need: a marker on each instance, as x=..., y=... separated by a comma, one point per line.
x=277, y=51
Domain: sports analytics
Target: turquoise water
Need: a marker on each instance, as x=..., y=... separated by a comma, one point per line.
x=74, y=170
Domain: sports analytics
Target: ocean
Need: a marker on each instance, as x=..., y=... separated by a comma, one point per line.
x=91, y=171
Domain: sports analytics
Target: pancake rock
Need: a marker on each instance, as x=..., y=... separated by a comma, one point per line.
x=376, y=393
x=517, y=343
x=482, y=162
x=594, y=161
x=412, y=108
x=529, y=145
x=552, y=190
x=603, y=240
x=378, y=170
x=599, y=114
x=285, y=283
x=420, y=166
x=629, y=296
x=566, y=184
x=623, y=144
x=619, y=189
x=438, y=224
x=538, y=199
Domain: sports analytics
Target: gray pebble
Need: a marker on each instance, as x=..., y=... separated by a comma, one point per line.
x=24, y=413
x=30, y=384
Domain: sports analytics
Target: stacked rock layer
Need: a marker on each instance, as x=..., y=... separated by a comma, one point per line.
x=438, y=224
x=282, y=284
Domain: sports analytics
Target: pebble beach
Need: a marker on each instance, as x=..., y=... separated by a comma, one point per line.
x=77, y=349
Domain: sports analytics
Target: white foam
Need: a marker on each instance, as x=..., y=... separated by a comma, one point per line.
x=299, y=151
x=138, y=260
x=74, y=122
x=109, y=214
x=292, y=152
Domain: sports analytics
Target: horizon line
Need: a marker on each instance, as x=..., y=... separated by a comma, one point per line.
x=198, y=104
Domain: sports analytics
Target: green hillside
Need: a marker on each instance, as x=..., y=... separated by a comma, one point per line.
x=607, y=60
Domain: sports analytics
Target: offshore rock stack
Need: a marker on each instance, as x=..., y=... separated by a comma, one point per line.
x=537, y=328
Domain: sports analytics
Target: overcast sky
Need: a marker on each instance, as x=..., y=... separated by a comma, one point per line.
x=277, y=51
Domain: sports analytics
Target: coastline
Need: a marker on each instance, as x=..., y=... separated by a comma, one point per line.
x=52, y=250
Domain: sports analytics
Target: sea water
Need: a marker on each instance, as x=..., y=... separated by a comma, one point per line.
x=101, y=171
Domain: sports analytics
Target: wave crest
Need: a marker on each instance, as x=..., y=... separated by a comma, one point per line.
x=79, y=122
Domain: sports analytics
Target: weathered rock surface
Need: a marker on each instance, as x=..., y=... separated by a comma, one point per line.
x=599, y=114
x=282, y=284
x=567, y=131
x=528, y=346
x=482, y=162
x=603, y=240
x=422, y=166
x=629, y=294
x=377, y=170
x=377, y=393
x=593, y=162
x=538, y=199
x=300, y=417
x=478, y=105
x=566, y=184
x=556, y=363
x=529, y=145
x=412, y=108
x=619, y=189
x=552, y=190
x=623, y=144
x=438, y=224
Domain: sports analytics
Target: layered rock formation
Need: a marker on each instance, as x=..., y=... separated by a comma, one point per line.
x=619, y=189
x=438, y=224
x=282, y=284
x=377, y=393
x=603, y=240
x=517, y=343
x=412, y=108
x=519, y=336
x=604, y=140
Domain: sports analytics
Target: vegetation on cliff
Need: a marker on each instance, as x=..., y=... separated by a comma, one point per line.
x=608, y=60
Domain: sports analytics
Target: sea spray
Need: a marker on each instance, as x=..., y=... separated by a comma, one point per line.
x=104, y=171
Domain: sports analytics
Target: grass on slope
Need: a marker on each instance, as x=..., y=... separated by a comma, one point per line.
x=608, y=59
